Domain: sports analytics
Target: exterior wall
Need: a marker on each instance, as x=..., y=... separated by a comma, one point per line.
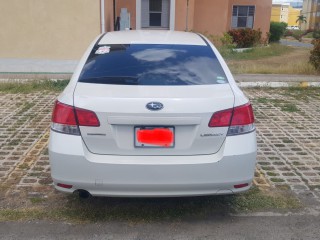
x=109, y=18
x=206, y=16
x=311, y=10
x=59, y=29
x=284, y=17
x=212, y=17
x=47, y=29
x=131, y=6
x=285, y=13
x=317, y=18
x=262, y=13
x=181, y=23
x=293, y=16
x=276, y=13
x=305, y=12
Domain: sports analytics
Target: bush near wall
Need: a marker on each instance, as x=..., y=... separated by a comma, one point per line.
x=245, y=37
x=316, y=34
x=277, y=30
x=315, y=55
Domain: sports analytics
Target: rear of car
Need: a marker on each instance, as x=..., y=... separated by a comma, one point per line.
x=147, y=114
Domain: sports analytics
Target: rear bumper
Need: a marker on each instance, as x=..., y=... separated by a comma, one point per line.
x=152, y=176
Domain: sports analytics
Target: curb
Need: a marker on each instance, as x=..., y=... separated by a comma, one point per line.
x=278, y=84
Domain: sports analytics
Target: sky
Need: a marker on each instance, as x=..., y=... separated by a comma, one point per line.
x=295, y=3
x=286, y=1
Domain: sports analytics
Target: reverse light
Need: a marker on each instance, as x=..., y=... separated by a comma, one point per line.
x=67, y=119
x=239, y=119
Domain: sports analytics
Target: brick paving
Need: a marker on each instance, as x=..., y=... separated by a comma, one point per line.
x=24, y=125
x=288, y=133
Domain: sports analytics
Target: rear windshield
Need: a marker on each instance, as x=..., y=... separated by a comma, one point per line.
x=150, y=64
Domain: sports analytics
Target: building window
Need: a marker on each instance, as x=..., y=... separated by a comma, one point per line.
x=155, y=11
x=243, y=16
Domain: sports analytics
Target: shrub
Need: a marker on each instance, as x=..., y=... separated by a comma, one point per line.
x=316, y=34
x=227, y=40
x=245, y=37
x=315, y=55
x=298, y=34
x=277, y=30
x=215, y=39
x=288, y=33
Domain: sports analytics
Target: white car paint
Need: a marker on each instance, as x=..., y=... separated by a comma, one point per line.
x=103, y=160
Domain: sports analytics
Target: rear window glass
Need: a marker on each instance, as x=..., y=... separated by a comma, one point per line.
x=151, y=64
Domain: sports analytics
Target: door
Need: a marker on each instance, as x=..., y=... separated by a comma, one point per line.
x=155, y=13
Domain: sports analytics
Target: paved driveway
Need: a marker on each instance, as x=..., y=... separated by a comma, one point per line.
x=295, y=43
x=288, y=141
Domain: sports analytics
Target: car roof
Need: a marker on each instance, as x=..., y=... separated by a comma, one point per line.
x=152, y=37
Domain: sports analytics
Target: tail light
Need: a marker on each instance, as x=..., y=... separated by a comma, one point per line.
x=67, y=119
x=240, y=119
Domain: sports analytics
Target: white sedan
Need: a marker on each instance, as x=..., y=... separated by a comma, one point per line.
x=152, y=113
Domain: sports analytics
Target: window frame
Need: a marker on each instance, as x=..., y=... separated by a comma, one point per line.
x=155, y=12
x=248, y=15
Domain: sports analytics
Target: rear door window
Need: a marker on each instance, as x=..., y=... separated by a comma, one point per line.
x=152, y=64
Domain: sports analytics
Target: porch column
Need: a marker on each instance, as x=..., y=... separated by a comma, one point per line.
x=172, y=14
x=138, y=14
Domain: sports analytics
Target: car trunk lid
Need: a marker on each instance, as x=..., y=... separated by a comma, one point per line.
x=122, y=111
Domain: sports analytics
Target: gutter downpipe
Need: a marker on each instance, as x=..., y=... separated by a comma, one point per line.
x=114, y=14
x=187, y=17
x=102, y=16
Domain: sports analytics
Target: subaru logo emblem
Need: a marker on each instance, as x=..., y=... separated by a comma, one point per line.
x=154, y=106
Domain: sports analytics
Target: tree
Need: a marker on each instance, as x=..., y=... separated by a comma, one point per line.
x=301, y=19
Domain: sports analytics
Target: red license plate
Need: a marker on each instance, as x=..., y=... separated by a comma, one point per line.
x=154, y=137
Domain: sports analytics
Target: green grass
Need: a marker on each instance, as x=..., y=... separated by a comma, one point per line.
x=14, y=142
x=24, y=166
x=276, y=59
x=256, y=53
x=153, y=209
x=33, y=86
x=301, y=93
x=263, y=100
x=37, y=200
x=289, y=107
x=277, y=180
x=308, y=35
x=272, y=174
x=26, y=107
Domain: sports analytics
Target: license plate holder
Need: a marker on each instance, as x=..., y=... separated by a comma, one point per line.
x=138, y=144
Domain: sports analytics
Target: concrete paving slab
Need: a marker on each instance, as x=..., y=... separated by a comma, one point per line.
x=276, y=78
x=288, y=131
x=11, y=65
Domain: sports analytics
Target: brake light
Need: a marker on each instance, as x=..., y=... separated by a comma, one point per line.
x=221, y=119
x=87, y=118
x=63, y=114
x=239, y=119
x=242, y=115
x=67, y=119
